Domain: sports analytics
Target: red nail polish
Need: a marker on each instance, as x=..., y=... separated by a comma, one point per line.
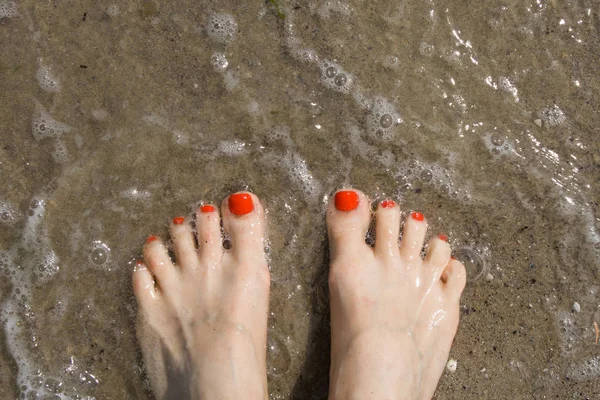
x=139, y=263
x=178, y=220
x=443, y=237
x=388, y=204
x=240, y=203
x=418, y=216
x=454, y=258
x=346, y=200
x=206, y=208
x=151, y=239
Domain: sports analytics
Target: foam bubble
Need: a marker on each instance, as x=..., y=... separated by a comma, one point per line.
x=334, y=77
x=382, y=119
x=60, y=155
x=391, y=62
x=552, y=115
x=219, y=62
x=497, y=143
x=426, y=49
x=8, y=215
x=136, y=194
x=47, y=80
x=221, y=27
x=8, y=9
x=506, y=85
x=99, y=254
x=44, y=126
x=233, y=147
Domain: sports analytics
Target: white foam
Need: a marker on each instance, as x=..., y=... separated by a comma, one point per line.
x=60, y=155
x=233, y=147
x=99, y=114
x=221, y=27
x=47, y=79
x=552, y=115
x=335, y=77
x=8, y=9
x=231, y=81
x=113, y=10
x=219, y=61
x=44, y=126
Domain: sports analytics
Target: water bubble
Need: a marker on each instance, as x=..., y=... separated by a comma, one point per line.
x=497, y=139
x=340, y=79
x=426, y=175
x=227, y=245
x=53, y=385
x=100, y=253
x=473, y=262
x=219, y=62
x=331, y=72
x=426, y=49
x=552, y=115
x=386, y=120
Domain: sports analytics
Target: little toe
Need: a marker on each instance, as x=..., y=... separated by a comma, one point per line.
x=348, y=217
x=208, y=225
x=387, y=229
x=454, y=278
x=183, y=243
x=143, y=284
x=243, y=218
x=413, y=236
x=159, y=263
x=438, y=256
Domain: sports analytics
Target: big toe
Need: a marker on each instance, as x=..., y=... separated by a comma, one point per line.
x=348, y=216
x=244, y=219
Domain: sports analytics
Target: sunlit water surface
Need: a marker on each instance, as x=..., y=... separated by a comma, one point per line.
x=116, y=117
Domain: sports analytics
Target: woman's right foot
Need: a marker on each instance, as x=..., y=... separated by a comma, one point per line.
x=393, y=314
x=203, y=320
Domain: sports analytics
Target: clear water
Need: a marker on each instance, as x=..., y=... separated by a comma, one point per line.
x=118, y=116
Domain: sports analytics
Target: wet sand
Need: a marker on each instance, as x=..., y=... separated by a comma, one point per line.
x=148, y=109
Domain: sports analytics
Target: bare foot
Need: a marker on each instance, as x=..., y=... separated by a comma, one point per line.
x=393, y=314
x=203, y=321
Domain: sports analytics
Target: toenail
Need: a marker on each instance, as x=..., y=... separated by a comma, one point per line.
x=346, y=200
x=443, y=237
x=206, y=208
x=454, y=258
x=139, y=263
x=178, y=220
x=388, y=204
x=417, y=216
x=240, y=203
x=151, y=239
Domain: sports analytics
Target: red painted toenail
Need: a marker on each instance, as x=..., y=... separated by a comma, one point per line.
x=454, y=258
x=417, y=216
x=178, y=220
x=206, y=208
x=139, y=262
x=443, y=237
x=346, y=200
x=388, y=204
x=240, y=203
x=151, y=239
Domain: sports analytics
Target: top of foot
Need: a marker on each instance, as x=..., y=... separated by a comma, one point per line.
x=394, y=314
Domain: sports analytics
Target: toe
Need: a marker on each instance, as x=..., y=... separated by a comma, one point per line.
x=413, y=236
x=387, y=229
x=143, y=284
x=348, y=216
x=438, y=257
x=208, y=225
x=183, y=243
x=157, y=259
x=243, y=218
x=454, y=278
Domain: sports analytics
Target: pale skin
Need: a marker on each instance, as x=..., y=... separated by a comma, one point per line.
x=203, y=320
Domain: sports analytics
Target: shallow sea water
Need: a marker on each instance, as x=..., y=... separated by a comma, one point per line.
x=118, y=116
